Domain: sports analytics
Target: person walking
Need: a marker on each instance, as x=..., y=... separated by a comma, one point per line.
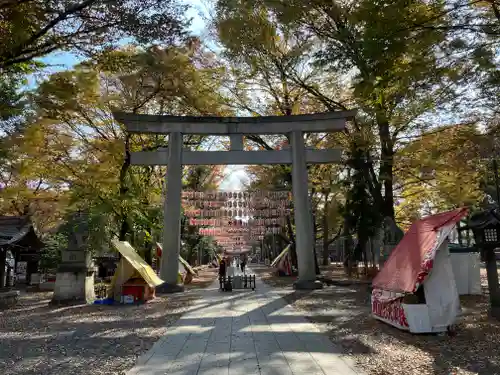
x=243, y=262
x=222, y=268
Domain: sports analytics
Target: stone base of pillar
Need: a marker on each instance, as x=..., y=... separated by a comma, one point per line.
x=73, y=288
x=167, y=288
x=307, y=285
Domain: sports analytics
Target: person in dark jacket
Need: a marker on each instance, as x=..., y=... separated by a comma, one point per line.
x=243, y=262
x=222, y=267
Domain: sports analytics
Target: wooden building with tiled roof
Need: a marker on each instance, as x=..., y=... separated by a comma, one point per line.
x=18, y=236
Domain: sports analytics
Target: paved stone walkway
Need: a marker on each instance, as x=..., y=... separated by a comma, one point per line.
x=243, y=333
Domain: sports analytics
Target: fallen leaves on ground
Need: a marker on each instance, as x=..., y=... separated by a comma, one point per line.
x=205, y=277
x=268, y=275
x=87, y=339
x=343, y=312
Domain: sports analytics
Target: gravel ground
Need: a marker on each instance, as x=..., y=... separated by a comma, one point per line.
x=343, y=312
x=36, y=339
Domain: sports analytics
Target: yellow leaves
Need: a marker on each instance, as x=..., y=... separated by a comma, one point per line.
x=451, y=154
x=68, y=91
x=483, y=4
x=249, y=31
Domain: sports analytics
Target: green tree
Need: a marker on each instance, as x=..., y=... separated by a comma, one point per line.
x=441, y=170
x=85, y=152
x=50, y=255
x=30, y=179
x=11, y=98
x=262, y=53
x=395, y=74
x=35, y=28
x=360, y=212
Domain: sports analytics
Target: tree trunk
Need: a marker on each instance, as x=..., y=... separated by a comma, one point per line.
x=386, y=172
x=493, y=288
x=315, y=230
x=364, y=249
x=148, y=254
x=388, y=190
x=291, y=236
x=316, y=265
x=372, y=253
x=326, y=243
x=348, y=251
x=3, y=261
x=124, y=227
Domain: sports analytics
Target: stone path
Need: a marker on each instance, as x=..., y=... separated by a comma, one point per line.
x=243, y=333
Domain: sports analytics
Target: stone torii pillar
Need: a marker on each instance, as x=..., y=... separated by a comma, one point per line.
x=169, y=267
x=302, y=212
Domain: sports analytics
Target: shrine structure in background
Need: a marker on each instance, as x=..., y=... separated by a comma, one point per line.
x=174, y=157
x=237, y=220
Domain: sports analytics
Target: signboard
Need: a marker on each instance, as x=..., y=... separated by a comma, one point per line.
x=21, y=271
x=73, y=256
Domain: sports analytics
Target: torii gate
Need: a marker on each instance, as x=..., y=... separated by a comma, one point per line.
x=236, y=127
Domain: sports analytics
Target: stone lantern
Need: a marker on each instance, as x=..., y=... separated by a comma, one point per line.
x=75, y=274
x=486, y=228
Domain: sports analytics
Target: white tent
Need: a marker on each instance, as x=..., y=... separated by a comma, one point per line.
x=467, y=270
x=420, y=267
